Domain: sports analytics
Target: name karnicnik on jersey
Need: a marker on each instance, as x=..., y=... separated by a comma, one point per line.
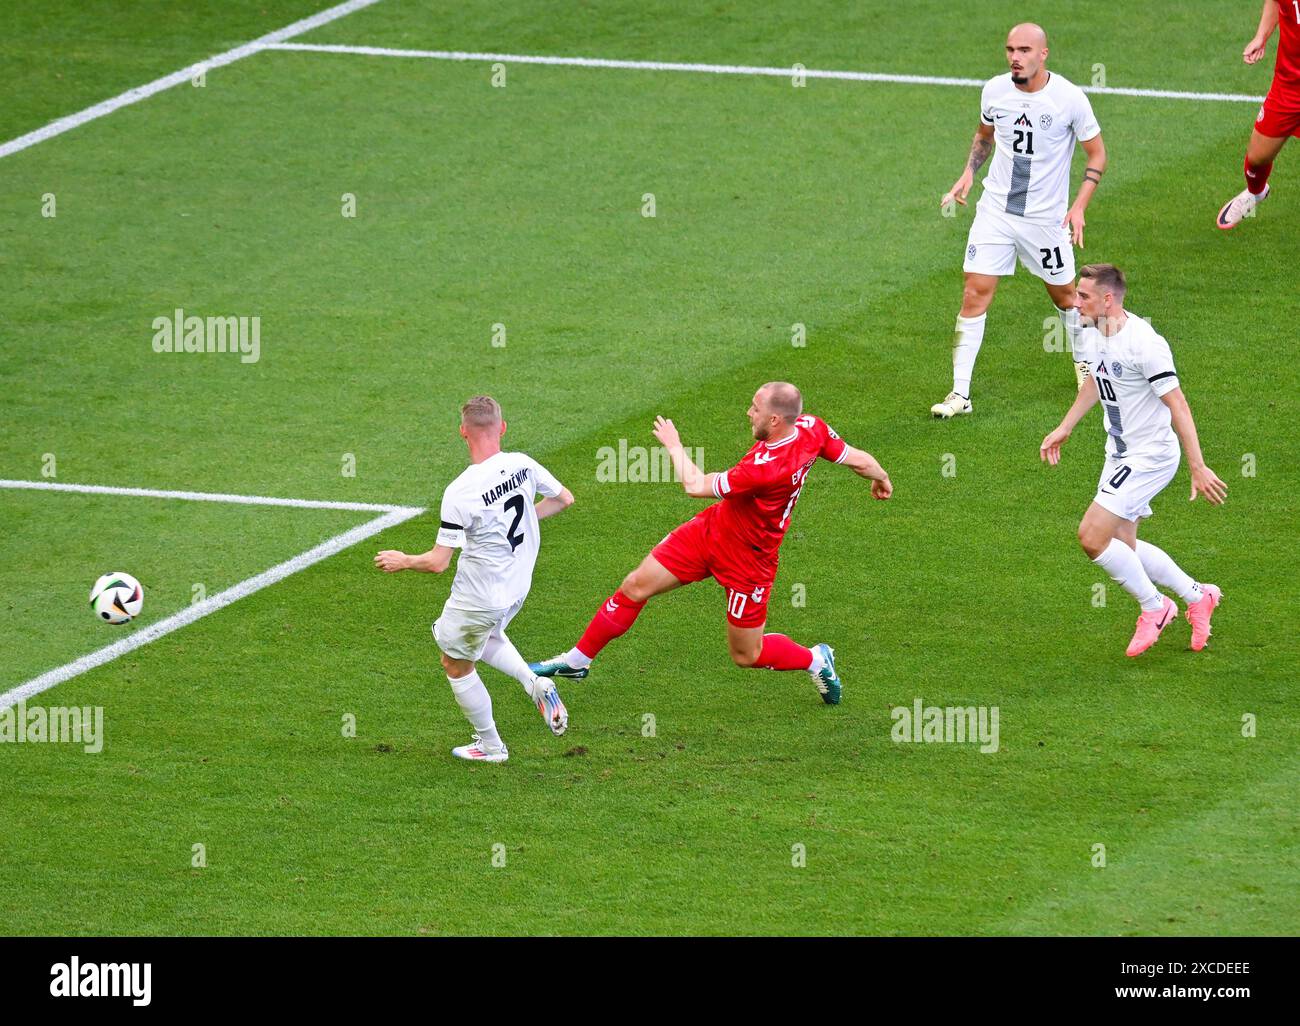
x=508, y=485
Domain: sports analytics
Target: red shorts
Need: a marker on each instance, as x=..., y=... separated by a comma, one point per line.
x=1279, y=117
x=690, y=554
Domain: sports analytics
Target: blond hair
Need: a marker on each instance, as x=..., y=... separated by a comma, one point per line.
x=480, y=412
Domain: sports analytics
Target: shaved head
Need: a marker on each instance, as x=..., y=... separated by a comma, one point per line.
x=1026, y=55
x=774, y=409
x=1029, y=33
x=783, y=400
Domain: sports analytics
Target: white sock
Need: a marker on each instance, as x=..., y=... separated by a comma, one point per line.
x=1070, y=319
x=576, y=659
x=500, y=654
x=476, y=704
x=1166, y=573
x=1123, y=565
x=818, y=662
x=965, y=347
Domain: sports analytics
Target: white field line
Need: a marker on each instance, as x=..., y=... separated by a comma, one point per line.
x=177, y=77
x=392, y=516
x=247, y=500
x=729, y=69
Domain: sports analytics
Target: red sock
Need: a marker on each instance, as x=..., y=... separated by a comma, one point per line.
x=1257, y=176
x=780, y=653
x=612, y=620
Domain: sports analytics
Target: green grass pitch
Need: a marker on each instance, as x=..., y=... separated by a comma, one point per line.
x=521, y=206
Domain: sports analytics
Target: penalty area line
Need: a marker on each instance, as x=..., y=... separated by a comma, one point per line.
x=198, y=610
x=729, y=69
x=158, y=85
x=247, y=500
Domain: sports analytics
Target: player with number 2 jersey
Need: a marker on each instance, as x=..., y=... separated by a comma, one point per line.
x=490, y=513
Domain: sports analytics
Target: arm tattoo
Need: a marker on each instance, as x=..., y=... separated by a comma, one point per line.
x=979, y=152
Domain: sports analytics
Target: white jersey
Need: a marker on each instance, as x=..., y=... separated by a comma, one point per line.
x=488, y=514
x=1132, y=369
x=1035, y=134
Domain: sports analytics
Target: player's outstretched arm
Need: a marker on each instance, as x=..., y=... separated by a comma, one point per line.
x=1267, y=23
x=1087, y=398
x=435, y=561
x=548, y=507
x=696, y=483
x=980, y=148
x=865, y=465
x=1204, y=480
x=1095, y=150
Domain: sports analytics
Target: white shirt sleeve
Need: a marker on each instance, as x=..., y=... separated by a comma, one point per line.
x=546, y=481
x=1084, y=121
x=1158, y=366
x=986, y=108
x=451, y=531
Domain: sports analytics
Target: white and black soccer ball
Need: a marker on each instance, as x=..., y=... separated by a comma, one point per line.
x=117, y=598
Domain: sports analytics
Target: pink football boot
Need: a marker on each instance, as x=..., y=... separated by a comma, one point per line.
x=1199, y=613
x=1149, y=626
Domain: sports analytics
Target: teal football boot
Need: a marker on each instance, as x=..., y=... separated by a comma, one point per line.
x=559, y=667
x=826, y=679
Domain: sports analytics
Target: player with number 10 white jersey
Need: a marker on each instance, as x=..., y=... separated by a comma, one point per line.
x=1030, y=121
x=1145, y=415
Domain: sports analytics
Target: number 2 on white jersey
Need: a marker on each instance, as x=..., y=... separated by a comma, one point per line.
x=516, y=503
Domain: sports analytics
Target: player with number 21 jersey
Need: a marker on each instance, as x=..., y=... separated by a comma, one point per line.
x=1030, y=121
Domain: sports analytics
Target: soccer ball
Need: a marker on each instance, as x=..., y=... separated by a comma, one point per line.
x=117, y=598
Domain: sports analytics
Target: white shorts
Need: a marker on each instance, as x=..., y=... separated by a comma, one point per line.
x=464, y=633
x=997, y=237
x=1127, y=486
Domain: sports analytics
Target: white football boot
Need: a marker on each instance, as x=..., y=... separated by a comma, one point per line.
x=549, y=704
x=1240, y=207
x=952, y=405
x=477, y=751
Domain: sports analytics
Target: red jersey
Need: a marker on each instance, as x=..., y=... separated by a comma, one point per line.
x=1286, y=73
x=758, y=494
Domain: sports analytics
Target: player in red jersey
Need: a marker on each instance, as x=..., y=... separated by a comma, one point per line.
x=736, y=540
x=1279, y=118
